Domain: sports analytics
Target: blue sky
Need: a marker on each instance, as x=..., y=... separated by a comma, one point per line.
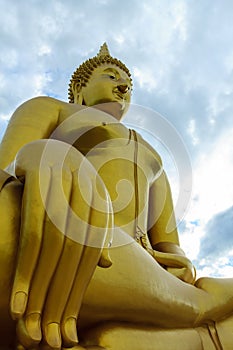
x=180, y=54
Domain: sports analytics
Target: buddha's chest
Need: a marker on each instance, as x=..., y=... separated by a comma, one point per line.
x=123, y=176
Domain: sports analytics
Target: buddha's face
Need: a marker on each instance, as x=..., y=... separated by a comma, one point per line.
x=108, y=83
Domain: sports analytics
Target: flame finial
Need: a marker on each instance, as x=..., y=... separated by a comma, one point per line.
x=103, y=51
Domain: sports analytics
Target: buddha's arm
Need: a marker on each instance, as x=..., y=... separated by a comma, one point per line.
x=163, y=231
x=33, y=120
x=56, y=233
x=162, y=223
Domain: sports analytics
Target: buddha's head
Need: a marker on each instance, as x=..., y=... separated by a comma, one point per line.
x=101, y=80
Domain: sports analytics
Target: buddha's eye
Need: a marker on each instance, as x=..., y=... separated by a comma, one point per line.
x=111, y=76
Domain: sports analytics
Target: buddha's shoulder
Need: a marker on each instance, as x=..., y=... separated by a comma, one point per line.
x=50, y=104
x=44, y=100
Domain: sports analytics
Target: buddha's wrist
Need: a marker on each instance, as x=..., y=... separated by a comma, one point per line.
x=10, y=169
x=5, y=177
x=168, y=247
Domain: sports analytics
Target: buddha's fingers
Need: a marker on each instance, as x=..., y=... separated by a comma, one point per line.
x=95, y=239
x=105, y=258
x=57, y=207
x=85, y=271
x=32, y=221
x=59, y=291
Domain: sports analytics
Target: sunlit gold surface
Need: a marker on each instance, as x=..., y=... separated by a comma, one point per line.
x=63, y=285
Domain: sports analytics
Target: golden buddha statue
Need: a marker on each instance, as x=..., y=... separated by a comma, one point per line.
x=90, y=254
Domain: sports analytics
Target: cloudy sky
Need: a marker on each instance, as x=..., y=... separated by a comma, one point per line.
x=180, y=54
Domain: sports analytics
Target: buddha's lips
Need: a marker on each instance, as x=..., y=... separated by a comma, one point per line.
x=121, y=96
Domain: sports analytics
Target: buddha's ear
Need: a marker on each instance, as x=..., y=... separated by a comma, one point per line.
x=76, y=87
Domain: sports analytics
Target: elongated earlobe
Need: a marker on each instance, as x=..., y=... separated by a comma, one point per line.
x=79, y=99
x=77, y=92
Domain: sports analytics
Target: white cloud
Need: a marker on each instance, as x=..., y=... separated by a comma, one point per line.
x=119, y=38
x=9, y=58
x=217, y=243
x=2, y=81
x=213, y=174
x=145, y=78
x=208, y=223
x=44, y=50
x=180, y=13
x=192, y=132
x=40, y=82
x=5, y=117
x=215, y=267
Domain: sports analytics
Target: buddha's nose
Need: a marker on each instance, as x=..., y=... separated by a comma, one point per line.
x=123, y=88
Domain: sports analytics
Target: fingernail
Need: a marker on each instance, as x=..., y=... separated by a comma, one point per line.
x=19, y=304
x=53, y=335
x=70, y=330
x=33, y=325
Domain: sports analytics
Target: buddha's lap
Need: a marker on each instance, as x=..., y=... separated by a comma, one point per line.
x=134, y=282
x=132, y=289
x=134, y=285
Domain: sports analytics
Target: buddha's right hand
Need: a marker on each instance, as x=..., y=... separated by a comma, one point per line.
x=59, y=222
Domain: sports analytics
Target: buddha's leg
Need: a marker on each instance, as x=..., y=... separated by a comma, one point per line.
x=136, y=289
x=10, y=208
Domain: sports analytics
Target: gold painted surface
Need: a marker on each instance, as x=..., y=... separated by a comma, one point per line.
x=71, y=271
x=124, y=336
